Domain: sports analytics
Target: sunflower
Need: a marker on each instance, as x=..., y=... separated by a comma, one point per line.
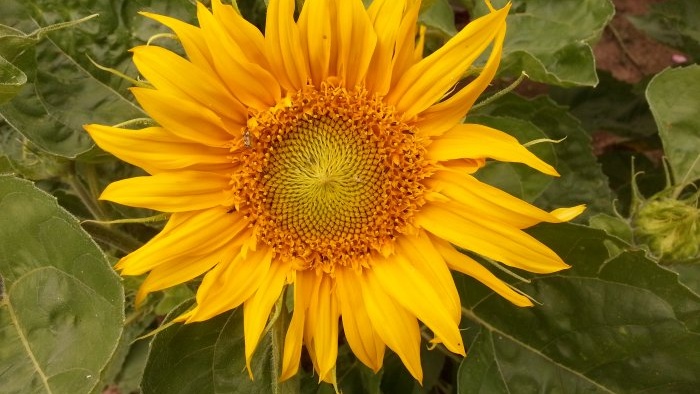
x=329, y=155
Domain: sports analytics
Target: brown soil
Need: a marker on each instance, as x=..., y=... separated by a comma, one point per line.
x=628, y=53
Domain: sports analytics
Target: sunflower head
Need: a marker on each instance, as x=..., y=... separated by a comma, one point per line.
x=330, y=178
x=329, y=155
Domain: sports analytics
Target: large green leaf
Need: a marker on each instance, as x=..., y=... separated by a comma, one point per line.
x=62, y=305
x=206, y=357
x=674, y=98
x=612, y=324
x=67, y=90
x=551, y=40
x=581, y=181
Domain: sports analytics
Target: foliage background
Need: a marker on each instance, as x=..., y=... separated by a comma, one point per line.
x=621, y=320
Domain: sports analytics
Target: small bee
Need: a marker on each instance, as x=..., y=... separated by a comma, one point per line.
x=246, y=138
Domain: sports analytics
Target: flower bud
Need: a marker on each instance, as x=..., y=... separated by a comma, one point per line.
x=671, y=228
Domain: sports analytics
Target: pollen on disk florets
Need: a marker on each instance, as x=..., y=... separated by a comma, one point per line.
x=330, y=176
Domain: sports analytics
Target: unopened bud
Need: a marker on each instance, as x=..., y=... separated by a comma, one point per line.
x=671, y=228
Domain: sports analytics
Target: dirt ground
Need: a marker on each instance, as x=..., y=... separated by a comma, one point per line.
x=628, y=53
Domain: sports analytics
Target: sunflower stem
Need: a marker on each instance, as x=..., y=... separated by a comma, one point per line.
x=277, y=332
x=150, y=219
x=501, y=93
x=86, y=197
x=112, y=237
x=120, y=74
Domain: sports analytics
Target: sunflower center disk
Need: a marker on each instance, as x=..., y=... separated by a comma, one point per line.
x=331, y=177
x=321, y=183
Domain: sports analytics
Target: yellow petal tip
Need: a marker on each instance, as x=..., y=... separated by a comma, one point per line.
x=567, y=214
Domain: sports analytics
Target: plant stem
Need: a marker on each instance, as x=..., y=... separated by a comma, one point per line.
x=111, y=237
x=623, y=47
x=277, y=332
x=87, y=198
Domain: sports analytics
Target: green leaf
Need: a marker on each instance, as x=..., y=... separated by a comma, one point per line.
x=68, y=91
x=551, y=40
x=613, y=106
x=13, y=66
x=11, y=80
x=581, y=181
x=353, y=377
x=131, y=372
x=438, y=17
x=28, y=160
x=674, y=22
x=613, y=225
x=126, y=366
x=173, y=297
x=206, y=357
x=608, y=324
x=62, y=306
x=396, y=378
x=674, y=99
x=688, y=274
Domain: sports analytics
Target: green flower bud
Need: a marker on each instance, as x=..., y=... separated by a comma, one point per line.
x=671, y=228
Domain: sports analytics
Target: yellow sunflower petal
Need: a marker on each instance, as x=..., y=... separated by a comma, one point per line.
x=570, y=213
x=397, y=327
x=293, y=341
x=385, y=16
x=427, y=81
x=476, y=196
x=315, y=29
x=190, y=37
x=420, y=45
x=184, y=118
x=404, y=49
x=304, y=285
x=324, y=305
x=462, y=166
x=282, y=44
x=171, y=191
x=418, y=296
x=251, y=83
x=154, y=149
x=419, y=250
x=356, y=40
x=466, y=265
x=231, y=283
x=362, y=338
x=475, y=141
x=503, y=243
x=164, y=70
x=186, y=234
x=182, y=270
x=244, y=34
x=444, y=115
x=257, y=308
